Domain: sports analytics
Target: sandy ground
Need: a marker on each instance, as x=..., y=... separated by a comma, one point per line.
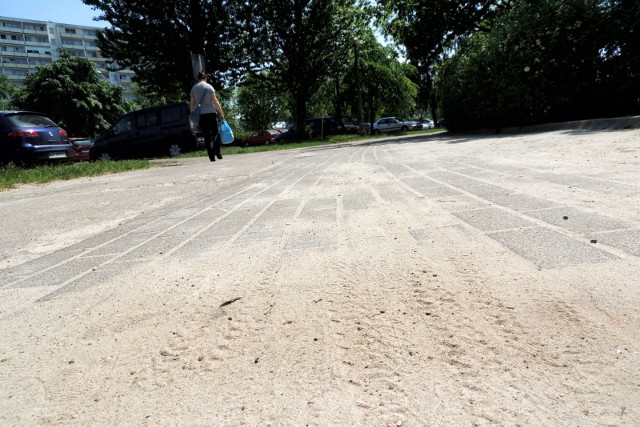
x=438, y=280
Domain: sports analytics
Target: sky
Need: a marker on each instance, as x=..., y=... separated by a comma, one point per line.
x=63, y=11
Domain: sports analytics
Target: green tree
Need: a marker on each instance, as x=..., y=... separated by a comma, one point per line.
x=621, y=56
x=303, y=39
x=147, y=97
x=7, y=92
x=387, y=89
x=544, y=61
x=428, y=28
x=72, y=92
x=156, y=39
x=261, y=103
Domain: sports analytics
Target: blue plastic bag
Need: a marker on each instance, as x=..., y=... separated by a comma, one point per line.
x=226, y=134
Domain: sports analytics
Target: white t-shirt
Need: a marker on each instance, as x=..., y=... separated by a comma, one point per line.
x=203, y=91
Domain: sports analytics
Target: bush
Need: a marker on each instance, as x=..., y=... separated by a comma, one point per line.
x=541, y=62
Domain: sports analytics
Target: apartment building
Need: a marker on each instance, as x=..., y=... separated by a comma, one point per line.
x=27, y=44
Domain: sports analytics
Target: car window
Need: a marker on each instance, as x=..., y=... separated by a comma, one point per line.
x=150, y=118
x=29, y=120
x=171, y=114
x=123, y=125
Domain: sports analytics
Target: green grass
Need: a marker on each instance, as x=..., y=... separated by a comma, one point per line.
x=11, y=176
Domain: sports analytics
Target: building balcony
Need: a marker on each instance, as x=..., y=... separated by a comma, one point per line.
x=7, y=54
x=36, y=44
x=38, y=55
x=9, y=65
x=63, y=34
x=11, y=30
x=32, y=32
x=8, y=42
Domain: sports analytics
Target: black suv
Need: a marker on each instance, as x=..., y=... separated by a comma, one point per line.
x=154, y=131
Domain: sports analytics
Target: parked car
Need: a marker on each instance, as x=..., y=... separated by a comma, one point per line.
x=81, y=148
x=389, y=124
x=260, y=137
x=28, y=137
x=154, y=131
x=315, y=127
x=413, y=125
x=427, y=124
x=353, y=129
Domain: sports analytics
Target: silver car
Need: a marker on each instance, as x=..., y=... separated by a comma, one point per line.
x=389, y=124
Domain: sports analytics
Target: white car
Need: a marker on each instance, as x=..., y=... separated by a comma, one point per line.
x=389, y=124
x=427, y=124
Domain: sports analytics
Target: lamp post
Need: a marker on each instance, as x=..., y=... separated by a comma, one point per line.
x=361, y=125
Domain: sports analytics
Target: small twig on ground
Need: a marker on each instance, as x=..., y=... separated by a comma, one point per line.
x=270, y=308
x=231, y=301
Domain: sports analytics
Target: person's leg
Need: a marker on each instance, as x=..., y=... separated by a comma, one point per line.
x=216, y=141
x=208, y=125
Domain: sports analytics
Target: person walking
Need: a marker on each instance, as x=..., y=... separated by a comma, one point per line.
x=203, y=94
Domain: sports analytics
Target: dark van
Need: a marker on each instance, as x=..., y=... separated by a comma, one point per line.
x=163, y=130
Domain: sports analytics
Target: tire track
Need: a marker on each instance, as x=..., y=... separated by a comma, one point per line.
x=74, y=282
x=248, y=319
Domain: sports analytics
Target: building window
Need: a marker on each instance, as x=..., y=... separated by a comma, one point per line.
x=69, y=30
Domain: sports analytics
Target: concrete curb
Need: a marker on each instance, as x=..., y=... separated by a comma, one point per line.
x=615, y=123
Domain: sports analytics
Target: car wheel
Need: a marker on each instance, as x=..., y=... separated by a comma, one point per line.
x=404, y=129
x=266, y=142
x=175, y=150
x=246, y=144
x=104, y=156
x=376, y=132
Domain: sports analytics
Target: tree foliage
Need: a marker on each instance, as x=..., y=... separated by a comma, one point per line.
x=7, y=92
x=542, y=61
x=621, y=55
x=386, y=83
x=71, y=91
x=303, y=40
x=428, y=28
x=261, y=103
x=156, y=38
